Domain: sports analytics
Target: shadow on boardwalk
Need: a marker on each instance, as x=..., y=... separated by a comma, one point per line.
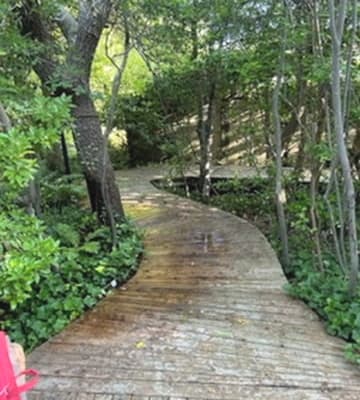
x=204, y=318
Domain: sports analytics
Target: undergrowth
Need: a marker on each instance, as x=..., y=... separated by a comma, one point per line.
x=53, y=269
x=56, y=260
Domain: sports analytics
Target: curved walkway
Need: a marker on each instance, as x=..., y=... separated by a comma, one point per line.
x=204, y=318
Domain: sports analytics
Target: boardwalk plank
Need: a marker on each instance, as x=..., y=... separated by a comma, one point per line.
x=205, y=318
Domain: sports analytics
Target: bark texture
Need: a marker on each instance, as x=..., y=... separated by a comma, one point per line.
x=280, y=194
x=71, y=77
x=91, y=145
x=337, y=20
x=205, y=134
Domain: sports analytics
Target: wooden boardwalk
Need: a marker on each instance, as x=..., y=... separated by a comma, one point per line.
x=204, y=318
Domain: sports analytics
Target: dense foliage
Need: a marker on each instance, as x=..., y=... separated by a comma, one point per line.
x=61, y=272
x=56, y=260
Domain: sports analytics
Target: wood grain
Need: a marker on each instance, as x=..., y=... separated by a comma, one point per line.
x=204, y=318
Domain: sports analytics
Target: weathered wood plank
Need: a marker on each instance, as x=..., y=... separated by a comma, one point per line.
x=204, y=318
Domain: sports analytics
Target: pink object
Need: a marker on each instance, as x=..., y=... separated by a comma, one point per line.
x=9, y=387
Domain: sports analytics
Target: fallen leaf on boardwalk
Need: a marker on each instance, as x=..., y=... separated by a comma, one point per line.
x=140, y=345
x=241, y=321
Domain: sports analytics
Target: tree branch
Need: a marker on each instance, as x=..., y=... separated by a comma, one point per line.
x=33, y=26
x=116, y=84
x=93, y=16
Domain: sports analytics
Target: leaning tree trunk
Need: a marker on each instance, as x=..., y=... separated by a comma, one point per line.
x=72, y=69
x=90, y=145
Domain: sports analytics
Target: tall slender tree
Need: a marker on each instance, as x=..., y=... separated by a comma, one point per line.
x=337, y=22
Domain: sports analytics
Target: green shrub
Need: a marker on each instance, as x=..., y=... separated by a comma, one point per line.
x=83, y=271
x=327, y=293
x=26, y=254
x=51, y=269
x=61, y=190
x=118, y=150
x=17, y=168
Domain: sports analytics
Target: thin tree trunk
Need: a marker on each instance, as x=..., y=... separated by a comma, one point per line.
x=300, y=157
x=280, y=194
x=268, y=134
x=204, y=127
x=338, y=248
x=338, y=239
x=338, y=226
x=66, y=160
x=314, y=186
x=205, y=132
x=337, y=29
x=110, y=126
x=217, y=127
x=205, y=163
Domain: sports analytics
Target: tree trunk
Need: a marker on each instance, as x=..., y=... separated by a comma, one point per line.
x=315, y=170
x=89, y=141
x=280, y=194
x=300, y=157
x=288, y=131
x=217, y=127
x=73, y=69
x=268, y=134
x=65, y=153
x=337, y=28
x=205, y=163
x=205, y=133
